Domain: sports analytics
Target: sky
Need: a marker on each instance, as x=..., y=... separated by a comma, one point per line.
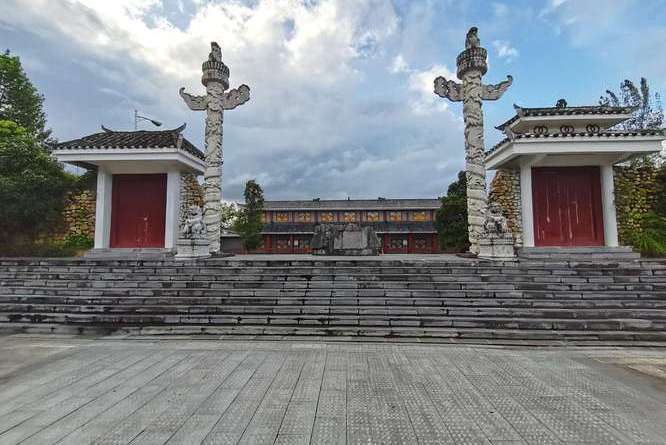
x=342, y=101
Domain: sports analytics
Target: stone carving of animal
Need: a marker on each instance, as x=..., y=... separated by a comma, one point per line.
x=193, y=226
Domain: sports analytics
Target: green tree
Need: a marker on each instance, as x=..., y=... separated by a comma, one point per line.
x=648, y=110
x=248, y=224
x=639, y=185
x=228, y=215
x=20, y=101
x=33, y=186
x=451, y=217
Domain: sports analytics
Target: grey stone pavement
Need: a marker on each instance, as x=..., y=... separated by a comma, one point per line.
x=75, y=390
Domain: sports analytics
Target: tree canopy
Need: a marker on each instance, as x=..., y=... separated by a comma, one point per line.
x=451, y=217
x=32, y=186
x=20, y=101
x=649, y=112
x=248, y=224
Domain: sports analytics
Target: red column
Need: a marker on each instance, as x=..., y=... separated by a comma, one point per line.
x=410, y=242
x=386, y=243
x=291, y=243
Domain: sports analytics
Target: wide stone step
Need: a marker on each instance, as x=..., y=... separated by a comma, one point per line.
x=320, y=280
x=118, y=320
x=508, y=300
x=457, y=335
x=317, y=296
x=260, y=282
x=317, y=310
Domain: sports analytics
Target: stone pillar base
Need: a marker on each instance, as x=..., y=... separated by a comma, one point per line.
x=497, y=248
x=190, y=249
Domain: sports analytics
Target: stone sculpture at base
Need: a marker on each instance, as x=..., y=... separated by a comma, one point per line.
x=497, y=240
x=344, y=239
x=193, y=242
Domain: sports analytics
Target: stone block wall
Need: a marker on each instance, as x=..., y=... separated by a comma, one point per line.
x=79, y=215
x=505, y=190
x=191, y=193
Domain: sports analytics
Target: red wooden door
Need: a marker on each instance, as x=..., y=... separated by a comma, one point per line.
x=138, y=210
x=422, y=243
x=396, y=243
x=567, y=206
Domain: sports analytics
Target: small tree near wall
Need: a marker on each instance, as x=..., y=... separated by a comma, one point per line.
x=451, y=217
x=248, y=225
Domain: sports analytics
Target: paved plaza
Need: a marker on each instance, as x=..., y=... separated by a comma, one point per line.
x=75, y=390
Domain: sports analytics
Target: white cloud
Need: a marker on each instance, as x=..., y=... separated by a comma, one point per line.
x=399, y=65
x=504, y=50
x=316, y=123
x=421, y=84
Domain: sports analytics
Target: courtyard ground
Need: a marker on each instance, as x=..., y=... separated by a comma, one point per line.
x=77, y=390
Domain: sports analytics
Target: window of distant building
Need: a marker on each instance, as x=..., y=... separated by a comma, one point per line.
x=303, y=217
x=349, y=216
x=419, y=216
x=282, y=217
x=395, y=216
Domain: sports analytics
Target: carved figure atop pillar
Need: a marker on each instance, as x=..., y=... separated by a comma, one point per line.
x=216, y=80
x=472, y=65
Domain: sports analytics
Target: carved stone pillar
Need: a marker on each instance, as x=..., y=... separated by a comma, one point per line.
x=216, y=80
x=472, y=66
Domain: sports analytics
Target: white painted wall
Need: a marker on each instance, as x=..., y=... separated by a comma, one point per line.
x=103, y=209
x=171, y=225
x=608, y=206
x=526, y=202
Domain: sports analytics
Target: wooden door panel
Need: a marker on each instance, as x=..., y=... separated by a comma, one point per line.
x=567, y=206
x=138, y=210
x=549, y=221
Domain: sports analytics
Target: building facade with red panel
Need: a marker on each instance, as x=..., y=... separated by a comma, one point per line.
x=139, y=183
x=402, y=225
x=562, y=159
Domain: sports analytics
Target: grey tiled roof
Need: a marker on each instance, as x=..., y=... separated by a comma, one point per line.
x=354, y=204
x=601, y=134
x=563, y=111
x=133, y=139
x=382, y=227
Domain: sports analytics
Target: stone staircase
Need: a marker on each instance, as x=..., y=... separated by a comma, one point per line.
x=529, y=301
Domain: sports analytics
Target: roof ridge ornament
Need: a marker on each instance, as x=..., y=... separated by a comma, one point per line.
x=106, y=130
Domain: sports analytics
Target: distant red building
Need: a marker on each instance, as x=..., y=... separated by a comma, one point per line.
x=403, y=225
